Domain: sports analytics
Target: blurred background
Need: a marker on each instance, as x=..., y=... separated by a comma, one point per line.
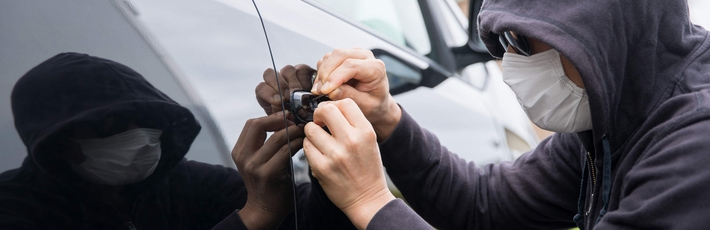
x=698, y=11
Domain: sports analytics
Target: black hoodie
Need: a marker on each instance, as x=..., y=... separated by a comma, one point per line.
x=646, y=71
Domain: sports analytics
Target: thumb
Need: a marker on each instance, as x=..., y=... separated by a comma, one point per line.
x=344, y=91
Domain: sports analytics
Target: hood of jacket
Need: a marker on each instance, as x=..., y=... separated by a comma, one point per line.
x=632, y=55
x=72, y=88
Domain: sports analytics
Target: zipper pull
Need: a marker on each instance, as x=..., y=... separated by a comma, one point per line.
x=591, y=203
x=131, y=226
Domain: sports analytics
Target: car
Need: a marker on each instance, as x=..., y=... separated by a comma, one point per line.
x=445, y=88
x=210, y=55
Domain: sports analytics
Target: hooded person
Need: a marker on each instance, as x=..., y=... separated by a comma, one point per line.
x=625, y=84
x=106, y=151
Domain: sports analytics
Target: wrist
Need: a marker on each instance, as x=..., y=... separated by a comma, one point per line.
x=386, y=126
x=361, y=214
x=257, y=218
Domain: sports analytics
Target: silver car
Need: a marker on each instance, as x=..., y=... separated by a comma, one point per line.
x=210, y=55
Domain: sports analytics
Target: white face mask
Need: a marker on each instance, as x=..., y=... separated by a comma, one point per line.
x=120, y=159
x=550, y=99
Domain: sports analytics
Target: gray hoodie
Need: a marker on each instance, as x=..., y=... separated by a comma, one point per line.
x=646, y=70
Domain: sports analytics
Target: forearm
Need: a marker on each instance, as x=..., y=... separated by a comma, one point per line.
x=414, y=160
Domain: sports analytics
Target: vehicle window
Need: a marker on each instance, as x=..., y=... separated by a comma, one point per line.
x=399, y=21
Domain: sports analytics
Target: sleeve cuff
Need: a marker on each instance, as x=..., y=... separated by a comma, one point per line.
x=397, y=215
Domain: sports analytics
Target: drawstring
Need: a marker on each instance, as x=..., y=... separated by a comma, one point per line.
x=606, y=186
x=606, y=177
x=579, y=217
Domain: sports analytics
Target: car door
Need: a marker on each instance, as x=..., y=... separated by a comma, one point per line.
x=416, y=40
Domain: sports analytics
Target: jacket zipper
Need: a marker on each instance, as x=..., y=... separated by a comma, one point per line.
x=129, y=222
x=131, y=226
x=593, y=171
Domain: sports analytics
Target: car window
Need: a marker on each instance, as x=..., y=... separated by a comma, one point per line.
x=399, y=21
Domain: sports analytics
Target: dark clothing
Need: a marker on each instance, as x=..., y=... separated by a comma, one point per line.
x=646, y=71
x=44, y=193
x=192, y=196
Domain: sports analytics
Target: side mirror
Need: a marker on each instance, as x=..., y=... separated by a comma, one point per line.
x=474, y=51
x=401, y=75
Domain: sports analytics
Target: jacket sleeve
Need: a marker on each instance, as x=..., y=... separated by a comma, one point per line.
x=404, y=217
x=538, y=190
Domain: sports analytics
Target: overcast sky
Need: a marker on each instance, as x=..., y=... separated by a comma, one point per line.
x=700, y=12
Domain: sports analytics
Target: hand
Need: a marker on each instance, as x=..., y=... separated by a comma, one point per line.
x=347, y=163
x=265, y=168
x=291, y=78
x=356, y=74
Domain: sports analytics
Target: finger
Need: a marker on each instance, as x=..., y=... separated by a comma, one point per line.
x=296, y=145
x=288, y=74
x=279, y=160
x=278, y=165
x=352, y=113
x=276, y=142
x=366, y=71
x=315, y=157
x=304, y=74
x=322, y=59
x=272, y=78
x=320, y=138
x=317, y=82
x=254, y=132
x=328, y=114
x=333, y=61
x=267, y=97
x=345, y=91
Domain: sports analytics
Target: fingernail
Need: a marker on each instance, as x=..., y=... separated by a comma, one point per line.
x=316, y=87
x=277, y=98
x=324, y=87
